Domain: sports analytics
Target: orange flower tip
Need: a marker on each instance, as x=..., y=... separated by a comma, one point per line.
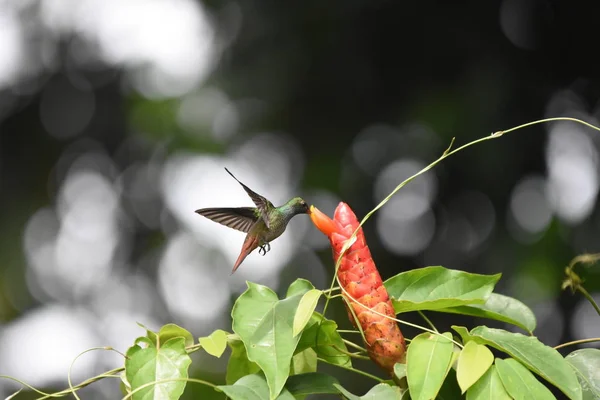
x=322, y=221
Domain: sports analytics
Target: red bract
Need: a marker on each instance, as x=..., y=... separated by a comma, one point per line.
x=358, y=275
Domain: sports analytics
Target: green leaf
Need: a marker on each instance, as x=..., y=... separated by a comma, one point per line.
x=519, y=382
x=427, y=363
x=264, y=324
x=307, y=305
x=400, y=370
x=434, y=288
x=146, y=365
x=252, y=387
x=304, y=362
x=170, y=331
x=473, y=362
x=489, y=386
x=215, y=343
x=463, y=332
x=325, y=340
x=380, y=391
x=299, y=286
x=500, y=308
x=586, y=363
x=238, y=365
x=541, y=359
x=312, y=383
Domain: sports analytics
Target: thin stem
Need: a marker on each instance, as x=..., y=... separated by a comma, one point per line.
x=83, y=384
x=353, y=355
x=589, y=297
x=580, y=341
x=130, y=395
x=347, y=331
x=352, y=344
x=353, y=370
x=427, y=320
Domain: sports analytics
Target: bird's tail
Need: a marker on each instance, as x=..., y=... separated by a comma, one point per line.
x=250, y=244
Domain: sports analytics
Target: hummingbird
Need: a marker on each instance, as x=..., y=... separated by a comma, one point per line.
x=263, y=223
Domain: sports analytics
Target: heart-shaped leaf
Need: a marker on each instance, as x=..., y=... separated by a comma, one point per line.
x=264, y=323
x=427, y=363
x=146, y=365
x=215, y=343
x=473, y=362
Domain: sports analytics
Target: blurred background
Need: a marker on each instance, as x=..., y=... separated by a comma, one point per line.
x=118, y=116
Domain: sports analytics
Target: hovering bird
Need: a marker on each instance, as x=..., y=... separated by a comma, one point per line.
x=262, y=224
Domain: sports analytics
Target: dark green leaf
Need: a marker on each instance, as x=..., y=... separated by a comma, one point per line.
x=312, y=383
x=541, y=359
x=325, y=340
x=519, y=382
x=586, y=363
x=380, y=391
x=489, y=386
x=151, y=364
x=304, y=362
x=252, y=387
x=264, y=323
x=434, y=288
x=450, y=389
x=238, y=365
x=499, y=308
x=427, y=363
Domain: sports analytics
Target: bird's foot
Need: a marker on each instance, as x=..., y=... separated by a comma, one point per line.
x=264, y=249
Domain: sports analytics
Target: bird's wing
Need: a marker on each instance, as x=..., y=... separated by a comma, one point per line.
x=263, y=205
x=240, y=218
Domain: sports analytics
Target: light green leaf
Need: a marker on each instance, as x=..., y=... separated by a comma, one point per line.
x=307, y=305
x=304, y=362
x=170, y=331
x=380, y=391
x=473, y=362
x=586, y=363
x=238, y=365
x=146, y=365
x=312, y=383
x=252, y=387
x=427, y=363
x=215, y=343
x=325, y=340
x=264, y=324
x=400, y=370
x=519, y=382
x=541, y=359
x=434, y=288
x=299, y=286
x=489, y=386
x=500, y=308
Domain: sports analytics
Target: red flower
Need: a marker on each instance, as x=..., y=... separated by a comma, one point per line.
x=364, y=289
